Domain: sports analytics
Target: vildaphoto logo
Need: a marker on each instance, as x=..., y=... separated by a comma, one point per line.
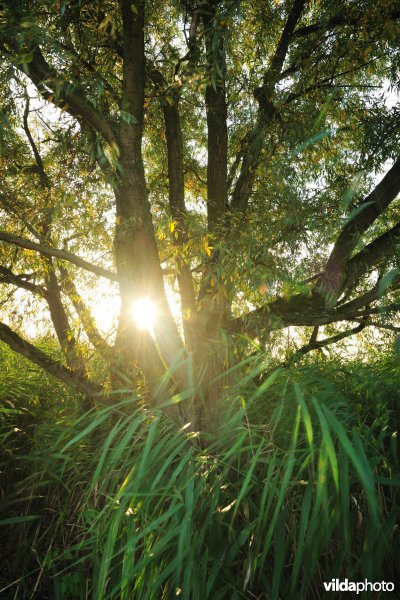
x=335, y=585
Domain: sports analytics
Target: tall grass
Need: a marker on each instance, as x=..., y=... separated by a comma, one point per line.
x=297, y=487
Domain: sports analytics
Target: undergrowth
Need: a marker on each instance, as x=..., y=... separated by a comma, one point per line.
x=297, y=487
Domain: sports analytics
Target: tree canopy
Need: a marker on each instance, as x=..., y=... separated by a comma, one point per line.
x=241, y=156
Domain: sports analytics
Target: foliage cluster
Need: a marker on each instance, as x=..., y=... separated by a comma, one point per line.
x=240, y=156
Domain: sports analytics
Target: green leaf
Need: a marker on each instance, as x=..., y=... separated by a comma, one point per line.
x=328, y=443
x=128, y=117
x=361, y=466
x=15, y=520
x=397, y=345
x=310, y=142
x=358, y=210
x=386, y=281
x=305, y=413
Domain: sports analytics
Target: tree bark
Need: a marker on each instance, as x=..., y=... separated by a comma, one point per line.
x=84, y=314
x=55, y=368
x=331, y=281
x=173, y=134
x=137, y=259
x=63, y=330
x=49, y=251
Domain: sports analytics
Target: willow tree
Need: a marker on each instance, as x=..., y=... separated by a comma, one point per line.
x=247, y=154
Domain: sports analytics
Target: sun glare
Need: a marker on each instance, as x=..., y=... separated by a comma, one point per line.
x=145, y=313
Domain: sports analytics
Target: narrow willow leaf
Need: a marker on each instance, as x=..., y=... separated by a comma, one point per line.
x=305, y=413
x=310, y=142
x=386, y=281
x=16, y=520
x=328, y=443
x=358, y=210
x=363, y=470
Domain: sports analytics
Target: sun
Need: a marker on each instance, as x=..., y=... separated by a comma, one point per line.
x=145, y=314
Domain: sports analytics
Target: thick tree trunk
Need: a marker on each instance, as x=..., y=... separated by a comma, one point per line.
x=212, y=361
x=137, y=259
x=212, y=352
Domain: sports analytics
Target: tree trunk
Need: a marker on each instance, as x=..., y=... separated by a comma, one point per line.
x=137, y=260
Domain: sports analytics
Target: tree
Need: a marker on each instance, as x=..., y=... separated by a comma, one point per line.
x=240, y=149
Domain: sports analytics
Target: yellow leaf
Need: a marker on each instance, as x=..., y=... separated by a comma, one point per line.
x=207, y=249
x=134, y=9
x=104, y=22
x=115, y=148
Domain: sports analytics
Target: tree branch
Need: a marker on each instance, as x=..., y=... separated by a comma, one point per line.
x=216, y=110
x=266, y=113
x=378, y=325
x=11, y=208
x=54, y=88
x=7, y=276
x=272, y=75
x=84, y=314
x=317, y=345
x=54, y=367
x=346, y=311
x=16, y=240
x=339, y=20
x=137, y=258
x=365, y=214
x=68, y=96
x=300, y=310
x=173, y=134
x=328, y=82
x=371, y=255
x=379, y=310
x=59, y=317
x=42, y=175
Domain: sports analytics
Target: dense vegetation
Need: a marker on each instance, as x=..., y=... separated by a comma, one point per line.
x=232, y=169
x=298, y=487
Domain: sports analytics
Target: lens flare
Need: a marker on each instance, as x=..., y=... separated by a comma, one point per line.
x=144, y=313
